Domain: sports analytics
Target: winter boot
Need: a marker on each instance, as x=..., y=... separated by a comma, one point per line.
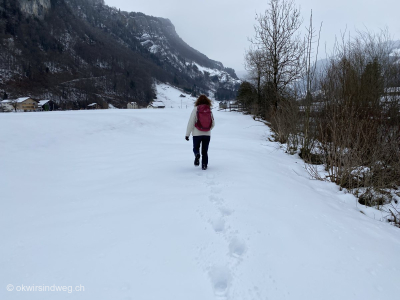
x=204, y=167
x=196, y=160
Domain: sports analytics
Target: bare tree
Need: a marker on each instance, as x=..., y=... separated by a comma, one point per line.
x=309, y=139
x=276, y=35
x=311, y=63
x=359, y=129
x=14, y=104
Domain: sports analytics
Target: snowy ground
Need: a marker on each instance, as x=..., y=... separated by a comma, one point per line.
x=110, y=200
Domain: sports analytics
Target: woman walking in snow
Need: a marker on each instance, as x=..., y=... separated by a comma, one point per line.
x=200, y=124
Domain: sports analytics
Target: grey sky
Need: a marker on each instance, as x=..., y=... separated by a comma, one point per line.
x=220, y=28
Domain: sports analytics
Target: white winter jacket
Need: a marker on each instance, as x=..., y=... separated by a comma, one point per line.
x=191, y=129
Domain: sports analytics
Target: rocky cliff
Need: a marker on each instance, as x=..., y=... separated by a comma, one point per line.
x=37, y=8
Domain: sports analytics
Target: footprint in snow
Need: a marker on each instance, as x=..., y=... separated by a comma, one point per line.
x=216, y=199
x=216, y=190
x=226, y=211
x=237, y=247
x=218, y=224
x=220, y=279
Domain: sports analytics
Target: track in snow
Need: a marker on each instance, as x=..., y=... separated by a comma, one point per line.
x=110, y=200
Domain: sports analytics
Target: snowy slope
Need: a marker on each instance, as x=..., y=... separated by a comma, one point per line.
x=223, y=77
x=170, y=96
x=110, y=200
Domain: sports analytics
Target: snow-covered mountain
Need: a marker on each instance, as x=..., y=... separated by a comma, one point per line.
x=158, y=35
x=81, y=51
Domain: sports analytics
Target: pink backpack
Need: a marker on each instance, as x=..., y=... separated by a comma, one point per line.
x=204, y=119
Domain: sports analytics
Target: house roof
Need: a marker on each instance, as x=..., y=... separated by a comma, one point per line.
x=19, y=100
x=392, y=90
x=158, y=103
x=93, y=104
x=43, y=102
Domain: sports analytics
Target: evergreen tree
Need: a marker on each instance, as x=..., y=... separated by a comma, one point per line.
x=371, y=85
x=246, y=94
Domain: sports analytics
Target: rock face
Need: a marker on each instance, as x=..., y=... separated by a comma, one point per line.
x=159, y=37
x=37, y=8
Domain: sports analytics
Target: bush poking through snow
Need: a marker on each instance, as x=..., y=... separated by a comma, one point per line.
x=347, y=119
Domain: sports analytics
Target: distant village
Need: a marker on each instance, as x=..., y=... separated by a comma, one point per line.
x=28, y=104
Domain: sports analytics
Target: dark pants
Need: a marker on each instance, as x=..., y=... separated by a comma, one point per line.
x=204, y=140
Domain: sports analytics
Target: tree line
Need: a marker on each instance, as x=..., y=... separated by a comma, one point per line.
x=344, y=115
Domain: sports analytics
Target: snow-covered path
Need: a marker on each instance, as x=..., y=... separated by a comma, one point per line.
x=110, y=200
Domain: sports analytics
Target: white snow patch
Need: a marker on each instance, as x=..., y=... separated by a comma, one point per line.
x=170, y=96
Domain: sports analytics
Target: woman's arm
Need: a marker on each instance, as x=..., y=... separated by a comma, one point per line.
x=192, y=121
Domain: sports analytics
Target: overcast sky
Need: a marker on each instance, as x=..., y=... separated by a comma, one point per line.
x=220, y=28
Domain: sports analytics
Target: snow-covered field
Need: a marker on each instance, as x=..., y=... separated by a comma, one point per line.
x=109, y=201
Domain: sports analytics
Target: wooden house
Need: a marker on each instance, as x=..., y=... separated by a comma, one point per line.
x=132, y=105
x=156, y=104
x=93, y=106
x=20, y=104
x=391, y=98
x=26, y=104
x=223, y=105
x=6, y=105
x=392, y=91
x=47, y=105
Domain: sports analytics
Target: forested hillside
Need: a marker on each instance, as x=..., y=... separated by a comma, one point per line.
x=81, y=51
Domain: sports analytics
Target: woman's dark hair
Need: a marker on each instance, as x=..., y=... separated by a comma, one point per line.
x=202, y=100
